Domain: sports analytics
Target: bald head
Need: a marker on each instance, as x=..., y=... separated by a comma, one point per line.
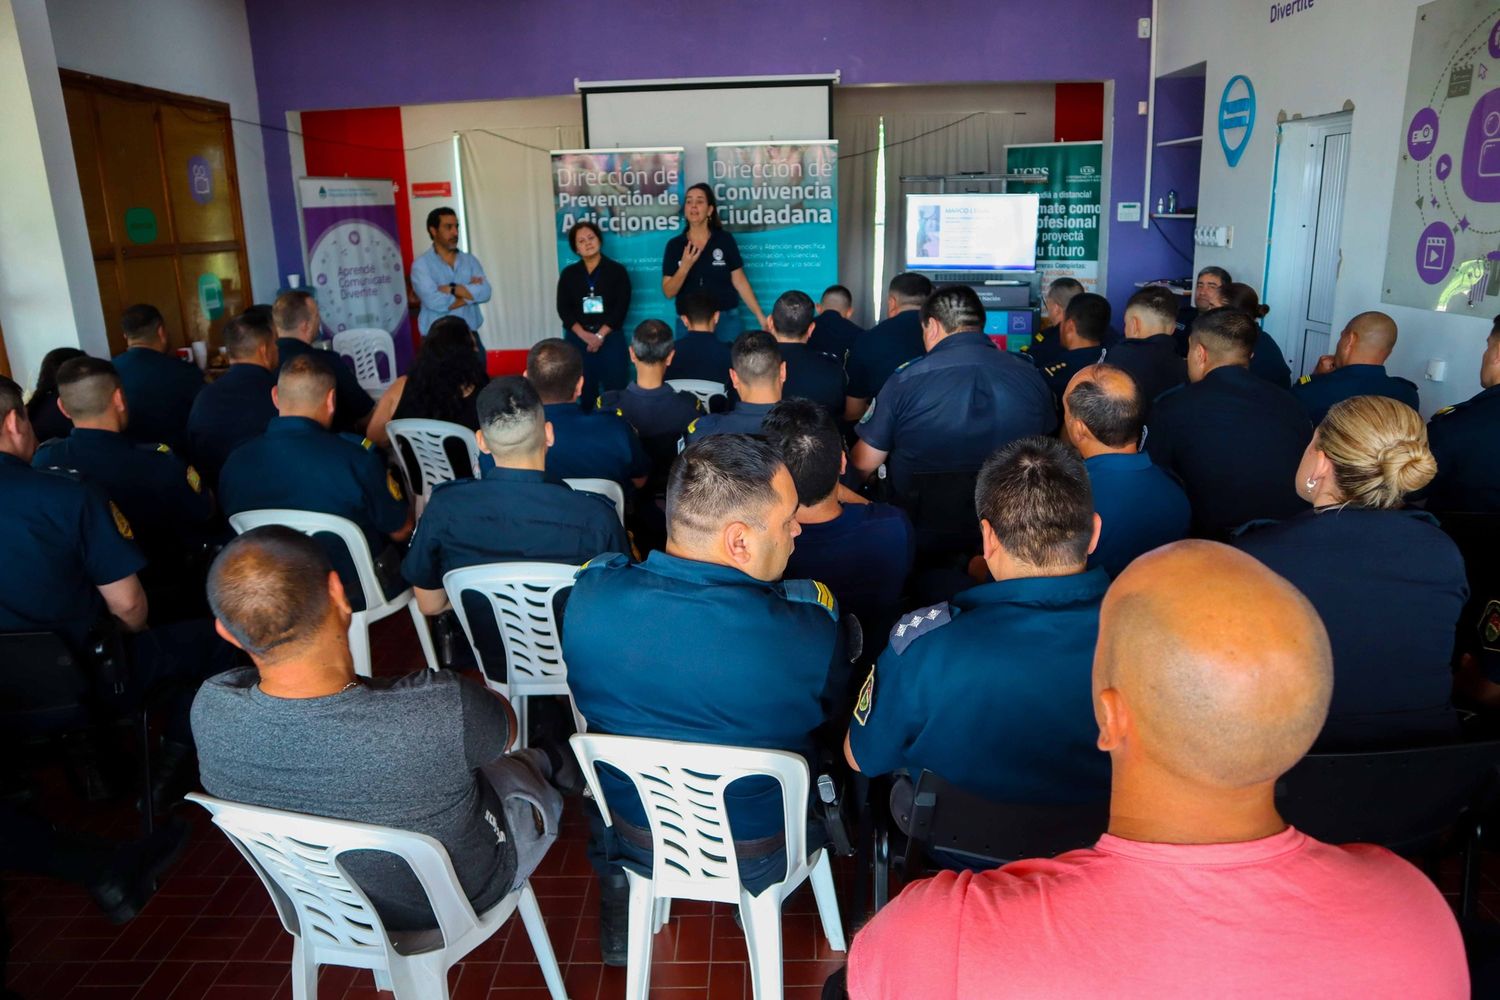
x=1103, y=405
x=269, y=590
x=1222, y=666
x=1368, y=339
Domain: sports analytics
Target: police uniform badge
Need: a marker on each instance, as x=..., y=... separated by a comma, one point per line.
x=1489, y=627
x=195, y=481
x=866, y=699
x=121, y=524
x=392, y=485
x=164, y=449
x=870, y=412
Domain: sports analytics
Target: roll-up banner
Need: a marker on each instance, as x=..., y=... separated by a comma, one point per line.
x=634, y=196
x=1067, y=238
x=354, y=262
x=780, y=200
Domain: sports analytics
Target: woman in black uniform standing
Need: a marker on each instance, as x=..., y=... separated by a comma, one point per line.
x=707, y=257
x=593, y=296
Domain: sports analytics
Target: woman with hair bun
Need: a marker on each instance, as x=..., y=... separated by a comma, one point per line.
x=1388, y=583
x=1267, y=361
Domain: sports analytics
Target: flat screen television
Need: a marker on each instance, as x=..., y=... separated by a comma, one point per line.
x=971, y=232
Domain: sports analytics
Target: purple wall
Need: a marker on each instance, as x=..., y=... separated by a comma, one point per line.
x=371, y=53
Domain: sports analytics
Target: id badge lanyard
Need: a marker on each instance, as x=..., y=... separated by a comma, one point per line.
x=593, y=305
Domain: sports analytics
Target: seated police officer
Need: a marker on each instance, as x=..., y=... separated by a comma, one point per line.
x=300, y=464
x=861, y=551
x=1208, y=293
x=1233, y=438
x=513, y=513
x=297, y=323
x=237, y=405
x=584, y=445
x=757, y=375
x=1046, y=344
x=747, y=660
x=1465, y=440
x=991, y=690
x=161, y=496
x=887, y=345
x=659, y=413
x=1148, y=352
x=1081, y=339
x=700, y=354
x=809, y=374
x=1356, y=368
x=159, y=386
x=1140, y=504
x=834, y=329
x=948, y=410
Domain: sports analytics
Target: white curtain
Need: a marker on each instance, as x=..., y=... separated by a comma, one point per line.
x=858, y=137
x=508, y=211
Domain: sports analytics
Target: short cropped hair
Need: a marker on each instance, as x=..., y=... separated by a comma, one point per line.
x=755, y=357
x=511, y=416
x=578, y=227
x=697, y=306
x=245, y=334
x=1114, y=419
x=269, y=589
x=652, y=342
x=1216, y=272
x=1035, y=494
x=810, y=445
x=435, y=217
x=140, y=322
x=304, y=381
x=10, y=398
x=1090, y=314
x=1061, y=291
x=837, y=297
x=86, y=386
x=1157, y=304
x=910, y=288
x=792, y=314
x=955, y=307
x=554, y=367
x=722, y=478
x=1226, y=332
x=292, y=309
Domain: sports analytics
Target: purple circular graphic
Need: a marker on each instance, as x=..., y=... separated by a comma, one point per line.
x=200, y=180
x=354, y=238
x=1435, y=253
x=1495, y=41
x=1422, y=134
x=1444, y=167
x=322, y=279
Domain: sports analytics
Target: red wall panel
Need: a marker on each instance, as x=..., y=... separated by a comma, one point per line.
x=1079, y=112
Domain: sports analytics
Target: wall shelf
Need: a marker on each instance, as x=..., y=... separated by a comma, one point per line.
x=1174, y=215
x=1191, y=140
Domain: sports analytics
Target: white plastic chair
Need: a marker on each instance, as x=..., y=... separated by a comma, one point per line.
x=330, y=917
x=682, y=788
x=363, y=347
x=702, y=388
x=520, y=595
x=604, y=487
x=378, y=604
x=427, y=441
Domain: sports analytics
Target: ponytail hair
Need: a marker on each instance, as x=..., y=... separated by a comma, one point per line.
x=1378, y=449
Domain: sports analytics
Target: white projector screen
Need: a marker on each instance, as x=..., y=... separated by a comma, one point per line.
x=690, y=113
x=971, y=232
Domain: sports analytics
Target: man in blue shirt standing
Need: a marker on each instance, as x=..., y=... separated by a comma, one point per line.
x=1355, y=368
x=1141, y=506
x=993, y=690
x=448, y=282
x=159, y=388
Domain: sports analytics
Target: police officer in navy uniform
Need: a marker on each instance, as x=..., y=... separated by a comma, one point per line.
x=1081, y=338
x=161, y=496
x=1231, y=437
x=809, y=374
x=1045, y=345
x=1266, y=360
x=298, y=324
x=957, y=691
x=159, y=387
x=1148, y=353
x=747, y=660
x=1465, y=440
x=757, y=375
x=300, y=464
x=887, y=345
x=1208, y=293
x=948, y=410
x=237, y=405
x=659, y=413
x=834, y=330
x=1356, y=368
x=585, y=445
x=699, y=354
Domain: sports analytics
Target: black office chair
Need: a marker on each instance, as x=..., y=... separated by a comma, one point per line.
x=49, y=691
x=1418, y=803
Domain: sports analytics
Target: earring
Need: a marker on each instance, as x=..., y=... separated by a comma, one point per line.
x=1311, y=484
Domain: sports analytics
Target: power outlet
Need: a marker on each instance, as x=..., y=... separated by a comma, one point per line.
x=1143, y=28
x=1213, y=236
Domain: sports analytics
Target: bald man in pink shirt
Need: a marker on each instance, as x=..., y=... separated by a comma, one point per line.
x=1211, y=679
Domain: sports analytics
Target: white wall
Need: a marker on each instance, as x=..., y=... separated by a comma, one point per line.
x=1309, y=64
x=195, y=47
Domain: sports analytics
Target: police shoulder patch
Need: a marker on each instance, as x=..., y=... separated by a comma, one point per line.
x=692, y=428
x=1489, y=627
x=194, y=481
x=1444, y=411
x=164, y=449
x=811, y=592
x=918, y=623
x=366, y=443
x=121, y=524
x=866, y=700
x=393, y=486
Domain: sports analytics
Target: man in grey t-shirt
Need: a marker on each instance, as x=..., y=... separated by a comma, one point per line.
x=301, y=732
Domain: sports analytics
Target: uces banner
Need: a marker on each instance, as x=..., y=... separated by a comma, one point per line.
x=1067, y=237
x=354, y=259
x=780, y=200
x=634, y=196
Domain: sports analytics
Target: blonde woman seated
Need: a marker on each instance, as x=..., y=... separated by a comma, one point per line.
x=1388, y=583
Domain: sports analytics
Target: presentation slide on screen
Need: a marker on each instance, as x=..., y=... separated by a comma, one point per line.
x=971, y=232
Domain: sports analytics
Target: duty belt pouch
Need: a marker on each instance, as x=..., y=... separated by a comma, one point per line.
x=105, y=653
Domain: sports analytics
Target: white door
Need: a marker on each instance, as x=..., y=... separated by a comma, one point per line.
x=1312, y=169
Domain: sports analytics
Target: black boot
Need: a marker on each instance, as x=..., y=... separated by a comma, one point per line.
x=174, y=773
x=614, y=918
x=130, y=877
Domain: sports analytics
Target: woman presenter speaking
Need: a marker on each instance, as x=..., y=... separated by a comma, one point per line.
x=706, y=257
x=593, y=296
